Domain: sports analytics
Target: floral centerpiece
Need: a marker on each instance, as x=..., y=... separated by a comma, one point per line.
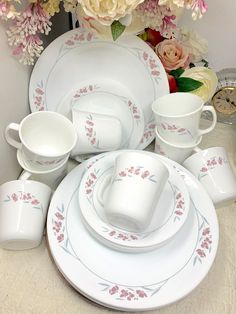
x=154, y=20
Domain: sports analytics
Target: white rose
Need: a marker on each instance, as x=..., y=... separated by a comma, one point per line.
x=207, y=77
x=196, y=46
x=106, y=11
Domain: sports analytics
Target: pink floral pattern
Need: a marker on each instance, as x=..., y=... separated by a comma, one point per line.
x=159, y=150
x=137, y=171
x=85, y=90
x=122, y=236
x=134, y=110
x=79, y=38
x=90, y=132
x=151, y=64
x=46, y=162
x=25, y=197
x=149, y=133
x=124, y=293
x=211, y=164
x=175, y=129
x=58, y=226
x=179, y=205
x=38, y=97
x=204, y=246
x=90, y=182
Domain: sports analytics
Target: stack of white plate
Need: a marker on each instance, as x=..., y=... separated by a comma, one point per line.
x=120, y=78
x=125, y=271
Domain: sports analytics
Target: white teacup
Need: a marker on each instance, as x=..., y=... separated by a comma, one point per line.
x=133, y=190
x=175, y=152
x=50, y=177
x=46, y=139
x=23, y=211
x=177, y=117
x=96, y=132
x=212, y=168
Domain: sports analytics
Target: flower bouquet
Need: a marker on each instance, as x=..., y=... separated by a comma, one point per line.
x=155, y=21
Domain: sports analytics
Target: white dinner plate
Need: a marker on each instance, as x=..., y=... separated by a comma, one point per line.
x=170, y=214
x=79, y=59
x=126, y=281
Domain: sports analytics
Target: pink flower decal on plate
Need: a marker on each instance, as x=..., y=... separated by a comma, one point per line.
x=38, y=96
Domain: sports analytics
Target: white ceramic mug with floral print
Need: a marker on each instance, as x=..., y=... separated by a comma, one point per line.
x=212, y=168
x=175, y=152
x=130, y=196
x=46, y=139
x=177, y=117
x=23, y=211
x=96, y=132
x=50, y=177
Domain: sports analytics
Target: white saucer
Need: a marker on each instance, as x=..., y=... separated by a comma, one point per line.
x=170, y=214
x=108, y=100
x=125, y=281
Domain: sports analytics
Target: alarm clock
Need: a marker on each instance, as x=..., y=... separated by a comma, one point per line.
x=224, y=99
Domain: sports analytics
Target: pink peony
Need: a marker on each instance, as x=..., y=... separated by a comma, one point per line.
x=172, y=55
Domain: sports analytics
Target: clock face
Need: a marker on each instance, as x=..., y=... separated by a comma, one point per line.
x=224, y=100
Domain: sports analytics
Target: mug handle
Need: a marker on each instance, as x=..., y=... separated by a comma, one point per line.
x=102, y=188
x=25, y=175
x=214, y=120
x=12, y=127
x=197, y=149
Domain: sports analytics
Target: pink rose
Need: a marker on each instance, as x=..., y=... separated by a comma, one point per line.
x=172, y=55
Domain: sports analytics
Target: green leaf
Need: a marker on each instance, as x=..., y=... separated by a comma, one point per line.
x=177, y=73
x=117, y=29
x=187, y=84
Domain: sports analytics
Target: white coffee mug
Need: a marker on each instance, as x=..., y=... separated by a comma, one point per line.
x=50, y=177
x=212, y=168
x=133, y=191
x=23, y=211
x=175, y=152
x=96, y=132
x=46, y=139
x=177, y=117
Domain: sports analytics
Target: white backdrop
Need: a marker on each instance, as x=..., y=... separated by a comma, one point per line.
x=218, y=26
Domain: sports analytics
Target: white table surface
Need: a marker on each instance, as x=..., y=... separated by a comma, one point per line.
x=31, y=283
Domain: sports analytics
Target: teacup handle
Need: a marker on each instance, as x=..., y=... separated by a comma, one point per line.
x=102, y=188
x=25, y=175
x=214, y=120
x=197, y=149
x=12, y=127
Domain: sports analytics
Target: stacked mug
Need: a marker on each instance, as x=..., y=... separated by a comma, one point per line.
x=44, y=141
x=177, y=118
x=178, y=135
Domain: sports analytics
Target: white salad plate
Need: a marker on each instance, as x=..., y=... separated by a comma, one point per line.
x=100, y=99
x=78, y=59
x=170, y=213
x=126, y=281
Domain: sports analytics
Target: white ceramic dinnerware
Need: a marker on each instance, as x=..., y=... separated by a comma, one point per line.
x=170, y=214
x=95, y=132
x=23, y=211
x=46, y=139
x=133, y=190
x=175, y=152
x=50, y=177
x=212, y=168
x=135, y=282
x=79, y=59
x=178, y=115
x=105, y=100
